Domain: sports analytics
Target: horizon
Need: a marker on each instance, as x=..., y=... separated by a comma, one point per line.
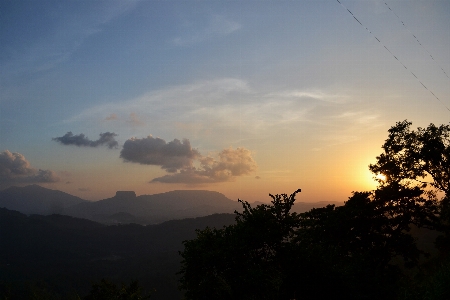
x=178, y=190
x=242, y=99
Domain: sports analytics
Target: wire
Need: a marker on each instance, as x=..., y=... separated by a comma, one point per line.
x=417, y=40
x=393, y=53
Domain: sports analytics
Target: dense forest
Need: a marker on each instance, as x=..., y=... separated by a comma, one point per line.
x=392, y=243
x=60, y=257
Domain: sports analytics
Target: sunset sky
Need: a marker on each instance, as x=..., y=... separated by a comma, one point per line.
x=245, y=98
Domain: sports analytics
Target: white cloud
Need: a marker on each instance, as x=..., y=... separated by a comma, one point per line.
x=311, y=94
x=229, y=111
x=226, y=100
x=216, y=26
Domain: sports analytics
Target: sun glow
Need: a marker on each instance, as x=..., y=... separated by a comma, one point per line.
x=381, y=177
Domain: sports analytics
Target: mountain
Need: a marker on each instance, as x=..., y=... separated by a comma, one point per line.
x=151, y=209
x=68, y=254
x=34, y=199
x=125, y=207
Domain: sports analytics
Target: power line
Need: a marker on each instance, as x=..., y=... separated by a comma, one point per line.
x=368, y=30
x=431, y=56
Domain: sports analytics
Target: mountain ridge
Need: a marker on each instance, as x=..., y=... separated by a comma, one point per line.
x=35, y=199
x=125, y=206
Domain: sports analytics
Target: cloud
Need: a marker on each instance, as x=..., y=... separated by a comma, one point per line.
x=185, y=164
x=111, y=117
x=232, y=109
x=217, y=26
x=135, y=120
x=44, y=176
x=15, y=168
x=310, y=94
x=81, y=140
x=222, y=104
x=230, y=164
x=171, y=156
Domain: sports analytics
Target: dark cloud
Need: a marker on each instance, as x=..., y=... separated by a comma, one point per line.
x=44, y=176
x=81, y=140
x=229, y=165
x=186, y=176
x=15, y=168
x=185, y=164
x=171, y=156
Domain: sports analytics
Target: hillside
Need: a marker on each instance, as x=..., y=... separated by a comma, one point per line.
x=68, y=254
x=34, y=199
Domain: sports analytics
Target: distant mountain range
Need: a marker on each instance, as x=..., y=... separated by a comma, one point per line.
x=34, y=199
x=126, y=207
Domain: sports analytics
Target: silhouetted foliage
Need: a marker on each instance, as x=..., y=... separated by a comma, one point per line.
x=106, y=290
x=241, y=261
x=271, y=253
x=432, y=283
x=418, y=160
x=59, y=256
x=413, y=156
x=357, y=248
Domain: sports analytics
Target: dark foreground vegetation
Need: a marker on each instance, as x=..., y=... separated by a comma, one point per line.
x=390, y=243
x=61, y=257
x=362, y=250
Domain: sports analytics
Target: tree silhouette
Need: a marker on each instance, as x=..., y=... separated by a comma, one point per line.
x=416, y=157
x=356, y=249
x=418, y=160
x=244, y=260
x=106, y=290
x=271, y=253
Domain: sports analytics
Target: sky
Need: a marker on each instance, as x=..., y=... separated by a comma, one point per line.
x=244, y=97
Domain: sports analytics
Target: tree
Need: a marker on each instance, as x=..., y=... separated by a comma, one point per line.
x=352, y=250
x=365, y=240
x=244, y=260
x=106, y=290
x=271, y=253
x=418, y=160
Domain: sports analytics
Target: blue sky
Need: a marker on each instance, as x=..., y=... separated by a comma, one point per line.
x=242, y=97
